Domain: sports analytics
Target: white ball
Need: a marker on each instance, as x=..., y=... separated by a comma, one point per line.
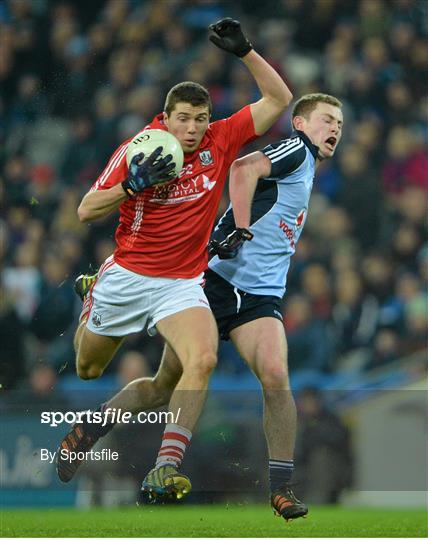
x=148, y=140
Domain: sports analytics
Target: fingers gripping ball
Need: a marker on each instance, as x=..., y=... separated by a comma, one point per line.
x=147, y=141
x=153, y=157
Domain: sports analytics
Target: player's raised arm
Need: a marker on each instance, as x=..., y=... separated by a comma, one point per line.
x=276, y=96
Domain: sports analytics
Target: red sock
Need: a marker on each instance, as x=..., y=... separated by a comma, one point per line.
x=174, y=443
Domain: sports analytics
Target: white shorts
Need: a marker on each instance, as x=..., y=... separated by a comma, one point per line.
x=123, y=302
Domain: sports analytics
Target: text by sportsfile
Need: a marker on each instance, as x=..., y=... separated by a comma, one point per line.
x=106, y=454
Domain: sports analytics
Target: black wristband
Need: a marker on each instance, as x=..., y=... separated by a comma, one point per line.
x=244, y=233
x=127, y=188
x=244, y=50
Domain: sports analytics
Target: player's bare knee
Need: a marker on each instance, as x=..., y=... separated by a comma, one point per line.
x=207, y=362
x=274, y=376
x=202, y=364
x=88, y=372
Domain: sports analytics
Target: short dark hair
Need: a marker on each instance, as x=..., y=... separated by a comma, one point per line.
x=308, y=103
x=187, y=92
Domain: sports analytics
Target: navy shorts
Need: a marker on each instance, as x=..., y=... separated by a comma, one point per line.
x=233, y=307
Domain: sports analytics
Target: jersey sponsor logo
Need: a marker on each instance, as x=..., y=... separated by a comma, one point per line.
x=208, y=184
x=186, y=170
x=300, y=217
x=290, y=231
x=183, y=190
x=206, y=158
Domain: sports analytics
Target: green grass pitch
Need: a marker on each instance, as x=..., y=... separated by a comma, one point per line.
x=213, y=521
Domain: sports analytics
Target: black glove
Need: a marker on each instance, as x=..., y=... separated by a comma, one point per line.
x=229, y=37
x=229, y=247
x=148, y=173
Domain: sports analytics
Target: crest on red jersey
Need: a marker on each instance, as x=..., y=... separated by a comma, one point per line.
x=206, y=157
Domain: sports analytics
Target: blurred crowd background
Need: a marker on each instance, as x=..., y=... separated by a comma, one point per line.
x=79, y=77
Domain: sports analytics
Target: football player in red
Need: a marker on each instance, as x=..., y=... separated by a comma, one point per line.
x=154, y=278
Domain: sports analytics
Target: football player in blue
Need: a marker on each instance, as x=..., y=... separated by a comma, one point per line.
x=246, y=279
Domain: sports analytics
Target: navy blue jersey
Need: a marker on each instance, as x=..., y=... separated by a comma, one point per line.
x=278, y=214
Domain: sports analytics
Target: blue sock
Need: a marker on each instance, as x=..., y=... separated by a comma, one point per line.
x=280, y=473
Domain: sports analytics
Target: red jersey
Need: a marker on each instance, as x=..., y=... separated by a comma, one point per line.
x=164, y=230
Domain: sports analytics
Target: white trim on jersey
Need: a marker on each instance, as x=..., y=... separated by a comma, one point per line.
x=285, y=143
x=114, y=163
x=139, y=212
x=289, y=143
x=286, y=152
x=284, y=147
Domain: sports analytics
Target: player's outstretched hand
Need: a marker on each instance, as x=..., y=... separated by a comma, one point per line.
x=227, y=34
x=229, y=247
x=152, y=171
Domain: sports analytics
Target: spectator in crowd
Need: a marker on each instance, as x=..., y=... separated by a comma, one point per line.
x=22, y=279
x=80, y=163
x=359, y=188
x=316, y=285
x=54, y=312
x=385, y=349
x=12, y=356
x=324, y=460
x=133, y=365
x=42, y=394
x=310, y=344
x=355, y=316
